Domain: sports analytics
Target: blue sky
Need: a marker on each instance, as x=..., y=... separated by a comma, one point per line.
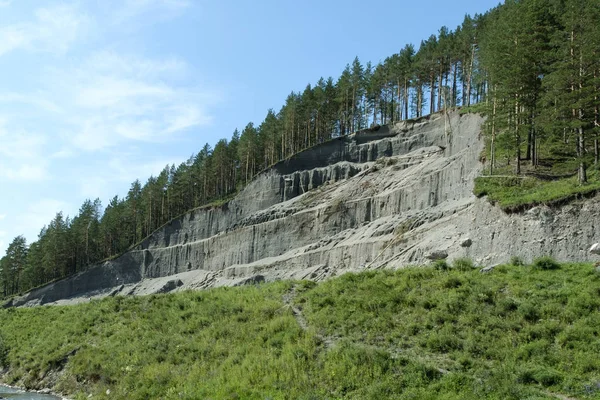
x=97, y=93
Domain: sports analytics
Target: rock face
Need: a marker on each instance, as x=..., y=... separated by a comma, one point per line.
x=382, y=198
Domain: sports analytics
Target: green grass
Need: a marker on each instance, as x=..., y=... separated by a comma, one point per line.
x=417, y=333
x=516, y=194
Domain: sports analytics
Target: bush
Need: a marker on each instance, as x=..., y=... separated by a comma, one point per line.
x=441, y=265
x=545, y=263
x=463, y=264
x=3, y=352
x=452, y=283
x=529, y=312
x=517, y=261
x=541, y=375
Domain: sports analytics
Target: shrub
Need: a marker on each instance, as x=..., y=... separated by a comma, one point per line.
x=441, y=265
x=541, y=375
x=529, y=312
x=3, y=352
x=452, y=283
x=517, y=261
x=545, y=263
x=463, y=264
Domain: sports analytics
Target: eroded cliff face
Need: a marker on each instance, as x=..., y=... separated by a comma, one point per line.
x=384, y=198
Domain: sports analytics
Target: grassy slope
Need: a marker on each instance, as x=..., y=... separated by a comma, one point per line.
x=418, y=333
x=516, y=194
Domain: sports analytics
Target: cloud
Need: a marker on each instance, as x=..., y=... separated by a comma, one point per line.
x=53, y=29
x=39, y=214
x=39, y=100
x=2, y=216
x=160, y=9
x=24, y=172
x=34, y=216
x=21, y=154
x=113, y=99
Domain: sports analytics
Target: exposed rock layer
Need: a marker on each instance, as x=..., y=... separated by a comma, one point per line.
x=371, y=200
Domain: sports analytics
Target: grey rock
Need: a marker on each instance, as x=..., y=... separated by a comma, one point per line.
x=253, y=280
x=486, y=270
x=437, y=255
x=595, y=249
x=170, y=286
x=327, y=207
x=466, y=243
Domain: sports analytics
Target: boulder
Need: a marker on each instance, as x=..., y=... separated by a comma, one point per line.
x=253, y=280
x=170, y=285
x=487, y=270
x=595, y=249
x=466, y=243
x=438, y=255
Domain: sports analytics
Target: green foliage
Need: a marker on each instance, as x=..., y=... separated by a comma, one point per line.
x=518, y=332
x=3, y=352
x=441, y=265
x=463, y=264
x=517, y=261
x=545, y=263
x=516, y=194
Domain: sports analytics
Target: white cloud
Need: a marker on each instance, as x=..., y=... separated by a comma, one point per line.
x=40, y=213
x=186, y=117
x=21, y=146
x=110, y=62
x=24, y=152
x=25, y=172
x=105, y=92
x=2, y=216
x=113, y=99
x=95, y=187
x=53, y=29
x=13, y=37
x=38, y=99
x=161, y=9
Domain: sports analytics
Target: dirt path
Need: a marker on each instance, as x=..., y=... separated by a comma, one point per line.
x=288, y=301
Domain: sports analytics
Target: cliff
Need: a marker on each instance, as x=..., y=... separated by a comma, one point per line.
x=398, y=195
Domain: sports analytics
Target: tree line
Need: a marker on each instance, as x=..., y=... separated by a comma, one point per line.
x=530, y=65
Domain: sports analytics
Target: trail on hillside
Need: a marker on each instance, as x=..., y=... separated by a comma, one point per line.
x=288, y=300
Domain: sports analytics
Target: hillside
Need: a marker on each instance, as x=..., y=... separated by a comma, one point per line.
x=398, y=196
x=529, y=66
x=417, y=333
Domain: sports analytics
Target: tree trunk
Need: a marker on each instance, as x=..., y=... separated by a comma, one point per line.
x=405, y=98
x=441, y=87
x=517, y=138
x=596, y=120
x=493, y=141
x=419, y=100
x=581, y=150
x=470, y=75
x=353, y=126
x=432, y=94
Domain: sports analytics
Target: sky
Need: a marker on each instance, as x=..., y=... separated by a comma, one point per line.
x=97, y=93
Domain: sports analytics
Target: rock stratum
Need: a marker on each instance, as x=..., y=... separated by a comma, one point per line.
x=382, y=198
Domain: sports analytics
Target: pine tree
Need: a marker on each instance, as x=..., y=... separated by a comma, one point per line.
x=13, y=264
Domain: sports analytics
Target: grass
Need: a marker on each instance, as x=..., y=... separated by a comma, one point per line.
x=418, y=333
x=513, y=194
